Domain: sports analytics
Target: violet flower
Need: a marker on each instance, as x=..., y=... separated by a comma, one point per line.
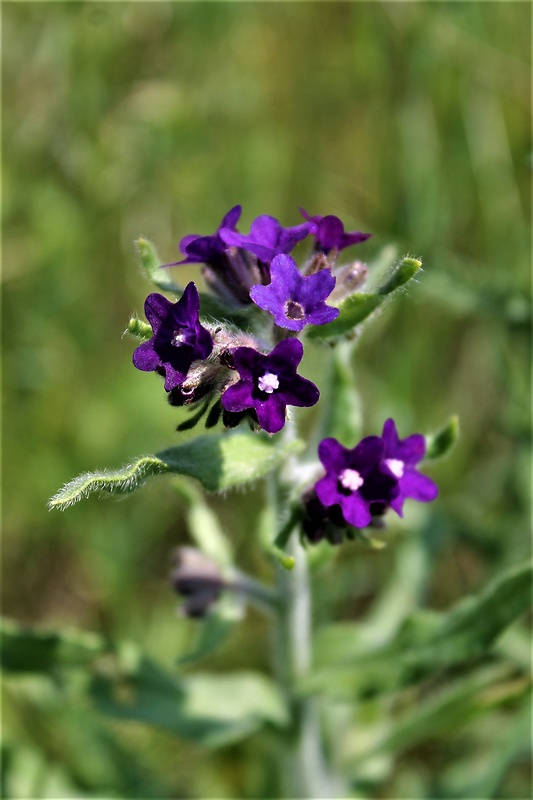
x=207, y=249
x=295, y=300
x=353, y=480
x=330, y=233
x=267, y=238
x=269, y=383
x=178, y=337
x=400, y=459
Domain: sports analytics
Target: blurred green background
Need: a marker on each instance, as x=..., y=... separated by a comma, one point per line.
x=409, y=120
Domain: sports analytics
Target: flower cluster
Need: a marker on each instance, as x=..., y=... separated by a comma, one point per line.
x=206, y=361
x=360, y=484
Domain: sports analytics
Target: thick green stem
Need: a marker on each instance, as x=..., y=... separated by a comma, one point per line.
x=304, y=769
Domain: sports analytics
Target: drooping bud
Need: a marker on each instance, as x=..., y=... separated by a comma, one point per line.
x=198, y=579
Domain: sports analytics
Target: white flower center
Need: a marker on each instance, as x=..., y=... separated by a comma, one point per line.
x=351, y=479
x=179, y=337
x=268, y=382
x=396, y=466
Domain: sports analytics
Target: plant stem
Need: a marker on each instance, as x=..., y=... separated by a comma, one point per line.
x=304, y=766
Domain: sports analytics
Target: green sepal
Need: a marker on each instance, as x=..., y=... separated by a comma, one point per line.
x=440, y=443
x=358, y=307
x=219, y=462
x=151, y=267
x=138, y=328
x=194, y=419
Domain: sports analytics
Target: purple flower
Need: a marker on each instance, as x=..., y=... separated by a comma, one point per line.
x=178, y=338
x=295, y=300
x=330, y=233
x=400, y=459
x=353, y=479
x=267, y=238
x=207, y=249
x=269, y=383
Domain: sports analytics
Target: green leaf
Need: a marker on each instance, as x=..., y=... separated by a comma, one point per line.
x=121, y=481
x=26, y=650
x=203, y=524
x=400, y=274
x=449, y=709
x=348, y=660
x=151, y=267
x=440, y=443
x=213, y=710
x=227, y=460
x=356, y=308
x=219, y=462
x=215, y=628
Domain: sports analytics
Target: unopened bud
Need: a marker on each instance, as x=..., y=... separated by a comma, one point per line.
x=350, y=278
x=198, y=579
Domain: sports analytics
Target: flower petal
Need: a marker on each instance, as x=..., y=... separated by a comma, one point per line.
x=145, y=358
x=333, y=455
x=418, y=487
x=355, y=510
x=271, y=413
x=238, y=397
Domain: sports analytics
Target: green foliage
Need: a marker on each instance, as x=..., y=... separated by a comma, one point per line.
x=425, y=643
x=440, y=443
x=358, y=307
x=218, y=462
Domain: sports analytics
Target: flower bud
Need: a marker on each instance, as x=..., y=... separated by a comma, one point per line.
x=350, y=278
x=198, y=579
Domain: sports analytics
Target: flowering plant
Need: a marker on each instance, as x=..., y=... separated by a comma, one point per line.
x=231, y=359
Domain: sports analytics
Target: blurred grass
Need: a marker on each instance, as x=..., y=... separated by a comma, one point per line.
x=409, y=120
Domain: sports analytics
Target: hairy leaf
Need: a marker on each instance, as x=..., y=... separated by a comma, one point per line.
x=219, y=462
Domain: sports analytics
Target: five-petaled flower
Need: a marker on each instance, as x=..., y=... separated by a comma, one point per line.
x=353, y=479
x=269, y=383
x=267, y=237
x=178, y=337
x=295, y=300
x=400, y=459
x=379, y=473
x=330, y=233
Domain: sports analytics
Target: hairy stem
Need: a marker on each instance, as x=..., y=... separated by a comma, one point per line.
x=304, y=768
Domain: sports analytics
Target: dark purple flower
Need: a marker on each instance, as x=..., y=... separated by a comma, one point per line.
x=207, y=249
x=400, y=459
x=267, y=238
x=330, y=233
x=295, y=300
x=269, y=383
x=353, y=479
x=178, y=338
